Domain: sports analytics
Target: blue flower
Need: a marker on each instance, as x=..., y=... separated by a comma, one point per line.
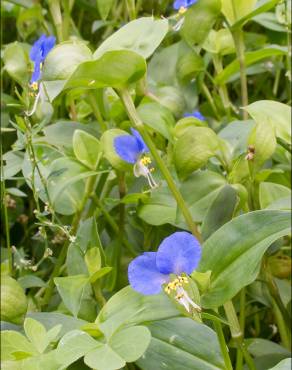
x=177, y=254
x=182, y=5
x=196, y=114
x=132, y=149
x=38, y=53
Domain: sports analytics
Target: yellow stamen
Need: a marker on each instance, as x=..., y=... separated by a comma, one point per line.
x=145, y=160
x=34, y=86
x=182, y=10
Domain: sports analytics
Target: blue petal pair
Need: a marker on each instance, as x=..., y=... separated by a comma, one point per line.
x=183, y=4
x=132, y=149
x=38, y=53
x=178, y=253
x=196, y=114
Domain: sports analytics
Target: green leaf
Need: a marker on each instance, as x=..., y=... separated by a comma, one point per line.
x=116, y=69
x=74, y=345
x=283, y=365
x=189, y=65
x=220, y=211
x=269, y=21
x=270, y=193
x=31, y=281
x=130, y=343
x=68, y=174
x=16, y=62
x=36, y=333
x=261, y=347
x=105, y=358
x=220, y=42
x=100, y=273
x=234, y=252
x=262, y=6
x=161, y=207
x=193, y=149
x=104, y=7
x=251, y=57
x=234, y=13
x=199, y=20
x=157, y=118
x=263, y=139
x=142, y=36
x=52, y=319
x=62, y=61
x=275, y=113
x=174, y=346
x=86, y=149
x=129, y=307
x=71, y=290
x=12, y=341
x=93, y=260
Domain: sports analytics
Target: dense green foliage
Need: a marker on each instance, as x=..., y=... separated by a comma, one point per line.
x=208, y=87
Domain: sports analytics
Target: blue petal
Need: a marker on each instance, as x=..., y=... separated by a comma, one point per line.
x=47, y=46
x=179, y=3
x=36, y=49
x=127, y=148
x=183, y=4
x=142, y=146
x=36, y=72
x=179, y=252
x=196, y=114
x=144, y=276
x=41, y=48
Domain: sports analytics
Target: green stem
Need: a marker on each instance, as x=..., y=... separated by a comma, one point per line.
x=284, y=334
x=208, y=96
x=132, y=113
x=223, y=346
x=239, y=356
x=98, y=294
x=240, y=49
x=7, y=234
x=55, y=10
x=96, y=111
x=236, y=333
x=130, y=4
x=217, y=61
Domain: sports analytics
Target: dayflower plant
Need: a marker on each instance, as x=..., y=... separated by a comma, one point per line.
x=196, y=114
x=178, y=254
x=38, y=53
x=132, y=149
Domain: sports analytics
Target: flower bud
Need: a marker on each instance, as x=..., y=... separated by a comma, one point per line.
x=13, y=301
x=107, y=143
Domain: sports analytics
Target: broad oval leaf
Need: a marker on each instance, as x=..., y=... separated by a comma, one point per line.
x=86, y=149
x=193, y=149
x=62, y=61
x=16, y=62
x=182, y=344
x=199, y=20
x=237, y=11
x=234, y=252
x=142, y=36
x=275, y=113
x=113, y=69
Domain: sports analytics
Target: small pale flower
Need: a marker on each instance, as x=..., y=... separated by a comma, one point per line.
x=178, y=254
x=132, y=149
x=72, y=238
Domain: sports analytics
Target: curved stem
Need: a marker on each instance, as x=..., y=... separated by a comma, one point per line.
x=237, y=334
x=223, y=345
x=132, y=113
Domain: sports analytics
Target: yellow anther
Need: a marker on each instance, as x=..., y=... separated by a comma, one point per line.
x=152, y=169
x=182, y=10
x=183, y=279
x=91, y=82
x=145, y=160
x=34, y=86
x=179, y=296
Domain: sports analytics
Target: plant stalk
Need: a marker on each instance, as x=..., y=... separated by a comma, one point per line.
x=132, y=113
x=223, y=345
x=237, y=334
